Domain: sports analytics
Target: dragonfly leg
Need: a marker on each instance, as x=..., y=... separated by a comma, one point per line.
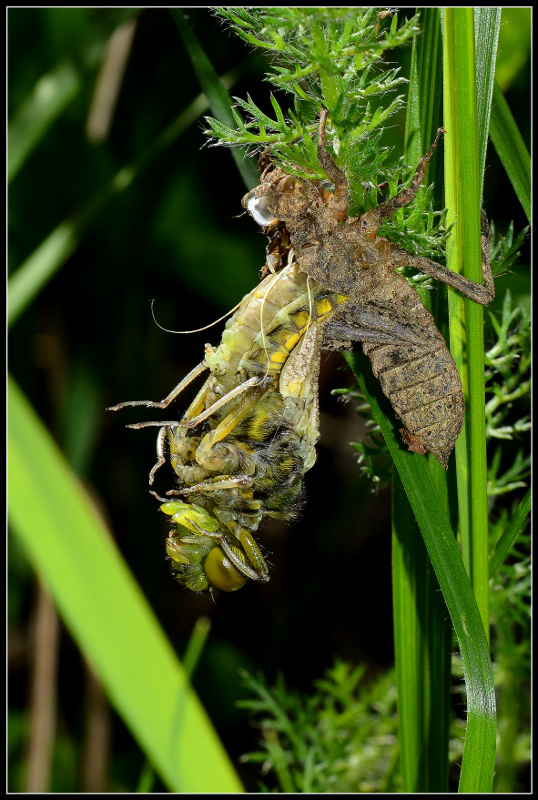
x=176, y=391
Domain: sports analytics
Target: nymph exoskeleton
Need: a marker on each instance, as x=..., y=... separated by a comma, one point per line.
x=344, y=254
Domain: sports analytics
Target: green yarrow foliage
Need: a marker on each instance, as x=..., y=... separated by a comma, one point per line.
x=335, y=58
x=325, y=58
x=508, y=380
x=339, y=738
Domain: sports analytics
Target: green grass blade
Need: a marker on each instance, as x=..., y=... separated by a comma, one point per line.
x=195, y=646
x=513, y=530
x=422, y=639
x=511, y=149
x=425, y=91
x=28, y=280
x=105, y=611
x=428, y=508
x=422, y=642
x=463, y=199
x=51, y=95
x=219, y=99
x=486, y=29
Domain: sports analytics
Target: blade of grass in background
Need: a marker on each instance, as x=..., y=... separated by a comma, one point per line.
x=51, y=95
x=513, y=530
x=191, y=656
x=425, y=93
x=30, y=278
x=54, y=92
x=422, y=637
x=215, y=91
x=74, y=554
x=511, y=149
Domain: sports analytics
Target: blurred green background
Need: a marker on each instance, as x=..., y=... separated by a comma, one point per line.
x=175, y=234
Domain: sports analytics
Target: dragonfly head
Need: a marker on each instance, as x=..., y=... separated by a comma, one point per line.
x=204, y=555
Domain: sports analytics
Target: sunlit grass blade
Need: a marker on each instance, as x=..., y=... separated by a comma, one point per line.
x=74, y=554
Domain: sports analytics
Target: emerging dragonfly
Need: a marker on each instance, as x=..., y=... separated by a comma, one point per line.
x=408, y=354
x=242, y=447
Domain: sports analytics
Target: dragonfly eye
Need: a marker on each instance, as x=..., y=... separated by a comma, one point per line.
x=257, y=208
x=221, y=573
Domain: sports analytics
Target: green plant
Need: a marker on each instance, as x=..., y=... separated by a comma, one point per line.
x=341, y=738
x=314, y=53
x=97, y=228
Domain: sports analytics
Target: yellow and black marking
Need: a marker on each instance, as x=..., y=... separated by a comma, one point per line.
x=274, y=344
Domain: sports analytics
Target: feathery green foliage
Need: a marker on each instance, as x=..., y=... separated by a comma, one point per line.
x=333, y=58
x=329, y=58
x=341, y=738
